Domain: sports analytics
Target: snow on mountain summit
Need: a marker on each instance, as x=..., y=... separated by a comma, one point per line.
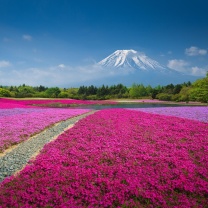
x=130, y=59
x=130, y=66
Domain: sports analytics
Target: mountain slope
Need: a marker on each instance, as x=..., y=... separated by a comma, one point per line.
x=129, y=66
x=130, y=59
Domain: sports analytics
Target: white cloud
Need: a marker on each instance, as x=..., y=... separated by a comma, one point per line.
x=195, y=51
x=4, y=64
x=54, y=76
x=27, y=37
x=184, y=67
x=178, y=65
x=61, y=66
x=197, y=71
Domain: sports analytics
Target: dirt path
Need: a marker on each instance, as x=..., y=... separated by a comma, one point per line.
x=16, y=158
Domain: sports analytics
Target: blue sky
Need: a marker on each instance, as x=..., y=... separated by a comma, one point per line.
x=55, y=42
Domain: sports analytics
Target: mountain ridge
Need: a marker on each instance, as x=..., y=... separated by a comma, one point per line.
x=131, y=66
x=130, y=58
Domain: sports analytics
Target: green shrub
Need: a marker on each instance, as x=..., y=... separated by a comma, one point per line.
x=4, y=93
x=164, y=96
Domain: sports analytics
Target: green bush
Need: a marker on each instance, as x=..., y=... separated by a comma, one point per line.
x=63, y=95
x=164, y=96
x=4, y=93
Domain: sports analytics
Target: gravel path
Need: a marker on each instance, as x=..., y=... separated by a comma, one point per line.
x=19, y=156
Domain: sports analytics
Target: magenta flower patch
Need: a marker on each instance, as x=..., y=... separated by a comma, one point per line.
x=117, y=158
x=18, y=124
x=193, y=113
x=12, y=103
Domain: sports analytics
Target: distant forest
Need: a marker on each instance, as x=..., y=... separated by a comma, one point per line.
x=187, y=91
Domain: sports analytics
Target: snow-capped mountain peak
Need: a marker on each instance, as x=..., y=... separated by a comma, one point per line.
x=130, y=59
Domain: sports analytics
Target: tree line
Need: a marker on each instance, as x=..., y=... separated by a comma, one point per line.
x=187, y=91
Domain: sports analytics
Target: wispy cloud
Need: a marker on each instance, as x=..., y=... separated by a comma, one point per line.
x=178, y=65
x=27, y=37
x=184, y=67
x=195, y=51
x=60, y=75
x=4, y=64
x=61, y=66
x=199, y=71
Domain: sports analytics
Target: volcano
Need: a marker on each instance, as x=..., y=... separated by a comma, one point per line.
x=130, y=66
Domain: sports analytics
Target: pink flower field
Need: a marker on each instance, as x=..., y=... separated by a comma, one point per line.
x=193, y=113
x=117, y=158
x=13, y=103
x=18, y=124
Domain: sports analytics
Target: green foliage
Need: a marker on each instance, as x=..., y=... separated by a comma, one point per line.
x=5, y=93
x=103, y=92
x=24, y=91
x=63, y=95
x=177, y=89
x=40, y=94
x=199, y=91
x=149, y=90
x=184, y=94
x=53, y=92
x=40, y=88
x=154, y=93
x=168, y=89
x=92, y=97
x=164, y=96
x=137, y=91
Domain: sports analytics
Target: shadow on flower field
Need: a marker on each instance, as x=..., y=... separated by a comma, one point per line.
x=117, y=158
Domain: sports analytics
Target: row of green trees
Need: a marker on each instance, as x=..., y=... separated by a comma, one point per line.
x=197, y=91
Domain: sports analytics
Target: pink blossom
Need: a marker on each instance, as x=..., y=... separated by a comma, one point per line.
x=199, y=113
x=14, y=103
x=117, y=158
x=18, y=124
